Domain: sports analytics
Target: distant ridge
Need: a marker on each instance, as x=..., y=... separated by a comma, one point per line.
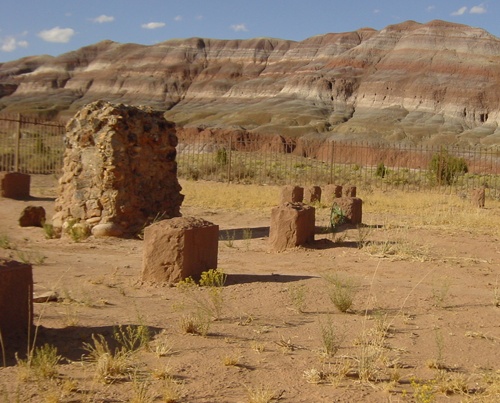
x=433, y=83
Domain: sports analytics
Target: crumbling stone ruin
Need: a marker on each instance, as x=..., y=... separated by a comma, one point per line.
x=119, y=170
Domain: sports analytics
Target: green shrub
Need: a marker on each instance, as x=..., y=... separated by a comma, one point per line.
x=221, y=157
x=446, y=168
x=381, y=171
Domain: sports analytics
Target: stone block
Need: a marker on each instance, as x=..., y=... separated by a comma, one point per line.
x=15, y=185
x=478, y=197
x=330, y=193
x=352, y=207
x=292, y=224
x=349, y=191
x=16, y=298
x=312, y=194
x=32, y=216
x=292, y=194
x=178, y=248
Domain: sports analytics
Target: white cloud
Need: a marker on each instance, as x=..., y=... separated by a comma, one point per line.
x=103, y=18
x=11, y=43
x=199, y=17
x=153, y=25
x=479, y=9
x=431, y=8
x=460, y=11
x=178, y=18
x=239, y=28
x=376, y=11
x=57, y=34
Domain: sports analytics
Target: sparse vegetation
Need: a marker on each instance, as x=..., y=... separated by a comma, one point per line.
x=253, y=326
x=341, y=291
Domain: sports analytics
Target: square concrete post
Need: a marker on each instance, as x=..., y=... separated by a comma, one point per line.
x=292, y=224
x=179, y=248
x=15, y=185
x=16, y=298
x=292, y=194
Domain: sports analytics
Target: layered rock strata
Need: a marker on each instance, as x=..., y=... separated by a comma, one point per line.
x=408, y=83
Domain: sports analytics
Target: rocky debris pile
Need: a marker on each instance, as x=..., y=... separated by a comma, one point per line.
x=119, y=171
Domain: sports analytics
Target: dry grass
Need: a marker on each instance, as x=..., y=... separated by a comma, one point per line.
x=215, y=195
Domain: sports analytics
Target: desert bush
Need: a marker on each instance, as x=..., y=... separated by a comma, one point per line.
x=213, y=278
x=110, y=365
x=41, y=363
x=341, y=291
x=337, y=217
x=381, y=170
x=445, y=168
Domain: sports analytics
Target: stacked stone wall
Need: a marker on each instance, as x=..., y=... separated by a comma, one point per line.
x=119, y=167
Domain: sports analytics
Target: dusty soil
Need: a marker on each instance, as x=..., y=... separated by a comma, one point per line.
x=435, y=303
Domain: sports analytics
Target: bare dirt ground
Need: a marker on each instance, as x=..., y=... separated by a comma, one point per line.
x=424, y=325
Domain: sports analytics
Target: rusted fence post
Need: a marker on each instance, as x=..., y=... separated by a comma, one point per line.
x=18, y=143
x=229, y=159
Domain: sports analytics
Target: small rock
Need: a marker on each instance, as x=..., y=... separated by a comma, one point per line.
x=32, y=216
x=48, y=296
x=107, y=229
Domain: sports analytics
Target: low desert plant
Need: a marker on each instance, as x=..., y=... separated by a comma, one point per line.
x=247, y=237
x=213, y=278
x=132, y=338
x=381, y=170
x=341, y=291
x=229, y=238
x=143, y=392
x=440, y=291
x=195, y=323
x=363, y=232
x=260, y=394
x=496, y=294
x=423, y=392
x=313, y=375
x=297, y=294
x=231, y=360
x=445, y=168
x=337, y=218
x=110, y=365
x=5, y=242
x=331, y=338
x=50, y=231
x=41, y=363
x=30, y=257
x=77, y=231
x=162, y=346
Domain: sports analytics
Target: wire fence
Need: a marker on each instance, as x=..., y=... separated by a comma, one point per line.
x=33, y=146
x=30, y=145
x=238, y=159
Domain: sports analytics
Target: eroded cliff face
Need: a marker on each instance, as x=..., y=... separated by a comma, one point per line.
x=408, y=83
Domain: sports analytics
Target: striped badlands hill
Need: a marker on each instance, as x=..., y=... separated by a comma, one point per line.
x=415, y=83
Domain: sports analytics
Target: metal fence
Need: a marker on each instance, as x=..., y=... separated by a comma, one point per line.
x=30, y=145
x=318, y=162
x=33, y=146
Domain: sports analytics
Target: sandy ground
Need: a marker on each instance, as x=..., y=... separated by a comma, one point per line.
x=434, y=302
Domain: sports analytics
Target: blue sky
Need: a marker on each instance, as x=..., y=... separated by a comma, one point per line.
x=35, y=27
